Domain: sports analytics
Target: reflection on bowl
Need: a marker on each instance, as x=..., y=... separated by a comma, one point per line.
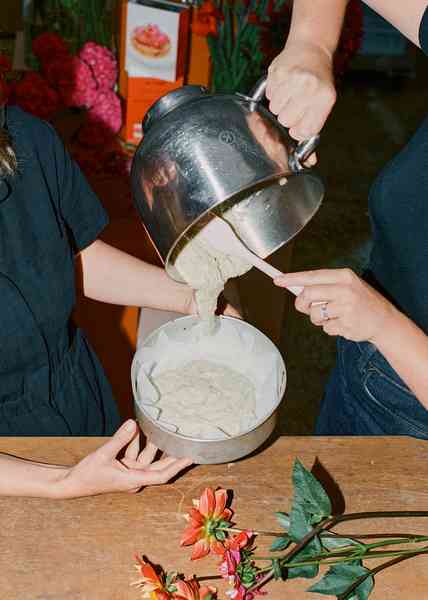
x=212, y=451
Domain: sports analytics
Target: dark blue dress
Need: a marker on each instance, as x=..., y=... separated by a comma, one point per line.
x=51, y=382
x=365, y=396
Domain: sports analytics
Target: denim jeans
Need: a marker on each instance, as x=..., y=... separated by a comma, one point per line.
x=365, y=396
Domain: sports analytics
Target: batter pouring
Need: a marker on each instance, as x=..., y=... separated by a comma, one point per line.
x=206, y=270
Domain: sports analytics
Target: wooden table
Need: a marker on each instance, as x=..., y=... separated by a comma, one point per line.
x=83, y=549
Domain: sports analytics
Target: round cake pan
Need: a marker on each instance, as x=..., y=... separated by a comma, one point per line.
x=204, y=451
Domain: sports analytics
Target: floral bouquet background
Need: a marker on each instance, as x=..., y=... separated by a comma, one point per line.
x=244, y=36
x=72, y=79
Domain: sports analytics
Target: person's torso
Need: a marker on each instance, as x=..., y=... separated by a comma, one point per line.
x=36, y=263
x=399, y=215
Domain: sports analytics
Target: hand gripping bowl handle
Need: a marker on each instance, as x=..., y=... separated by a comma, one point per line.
x=303, y=149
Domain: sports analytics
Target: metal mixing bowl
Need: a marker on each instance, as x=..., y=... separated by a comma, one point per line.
x=204, y=451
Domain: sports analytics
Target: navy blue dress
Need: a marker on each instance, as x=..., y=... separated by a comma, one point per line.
x=51, y=382
x=365, y=396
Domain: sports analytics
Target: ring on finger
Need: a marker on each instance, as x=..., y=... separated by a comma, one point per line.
x=324, y=311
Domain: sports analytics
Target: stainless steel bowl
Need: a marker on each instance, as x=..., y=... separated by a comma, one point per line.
x=200, y=450
x=205, y=152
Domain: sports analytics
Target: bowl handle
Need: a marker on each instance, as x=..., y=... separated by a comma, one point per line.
x=303, y=149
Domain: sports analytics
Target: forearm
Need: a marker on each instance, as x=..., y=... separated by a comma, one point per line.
x=405, y=347
x=406, y=17
x=112, y=276
x=19, y=477
x=317, y=22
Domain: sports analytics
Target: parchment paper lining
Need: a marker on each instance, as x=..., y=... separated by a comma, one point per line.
x=233, y=344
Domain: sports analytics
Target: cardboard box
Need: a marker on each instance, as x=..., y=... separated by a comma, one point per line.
x=154, y=40
x=136, y=106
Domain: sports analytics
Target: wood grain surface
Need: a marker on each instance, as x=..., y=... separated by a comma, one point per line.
x=83, y=549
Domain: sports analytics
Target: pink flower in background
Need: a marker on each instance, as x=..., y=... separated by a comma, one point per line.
x=102, y=62
x=104, y=119
x=49, y=46
x=73, y=79
x=34, y=95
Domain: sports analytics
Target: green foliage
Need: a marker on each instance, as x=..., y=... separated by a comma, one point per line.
x=338, y=579
x=77, y=21
x=310, y=494
x=283, y=519
x=333, y=543
x=308, y=571
x=280, y=544
x=236, y=53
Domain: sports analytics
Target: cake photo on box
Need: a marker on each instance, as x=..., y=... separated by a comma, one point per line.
x=156, y=38
x=150, y=40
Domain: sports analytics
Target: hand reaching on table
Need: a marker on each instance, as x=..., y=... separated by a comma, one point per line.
x=102, y=472
x=99, y=472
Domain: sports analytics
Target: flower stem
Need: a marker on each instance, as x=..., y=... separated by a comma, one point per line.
x=329, y=522
x=347, y=593
x=266, y=533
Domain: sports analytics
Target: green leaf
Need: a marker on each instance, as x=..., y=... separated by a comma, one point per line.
x=332, y=543
x=300, y=523
x=280, y=544
x=307, y=572
x=309, y=491
x=283, y=519
x=220, y=535
x=340, y=577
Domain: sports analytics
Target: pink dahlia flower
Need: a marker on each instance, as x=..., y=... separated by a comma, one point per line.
x=104, y=119
x=74, y=81
x=102, y=62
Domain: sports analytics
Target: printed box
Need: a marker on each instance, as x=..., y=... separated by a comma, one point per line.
x=135, y=107
x=156, y=39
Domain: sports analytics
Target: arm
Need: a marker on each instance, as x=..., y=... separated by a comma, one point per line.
x=99, y=472
x=300, y=82
x=405, y=16
x=359, y=313
x=113, y=276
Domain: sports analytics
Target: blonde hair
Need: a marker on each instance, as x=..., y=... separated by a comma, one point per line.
x=8, y=162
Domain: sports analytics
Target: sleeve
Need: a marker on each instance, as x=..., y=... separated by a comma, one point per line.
x=78, y=205
x=423, y=32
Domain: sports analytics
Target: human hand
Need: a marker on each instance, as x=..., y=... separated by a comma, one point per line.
x=341, y=303
x=101, y=471
x=300, y=88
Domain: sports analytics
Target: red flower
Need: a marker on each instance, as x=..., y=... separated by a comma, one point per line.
x=4, y=91
x=205, y=20
x=73, y=79
x=35, y=96
x=190, y=590
x=49, y=46
x=104, y=120
x=102, y=62
x=239, y=541
x=5, y=64
x=152, y=584
x=204, y=519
